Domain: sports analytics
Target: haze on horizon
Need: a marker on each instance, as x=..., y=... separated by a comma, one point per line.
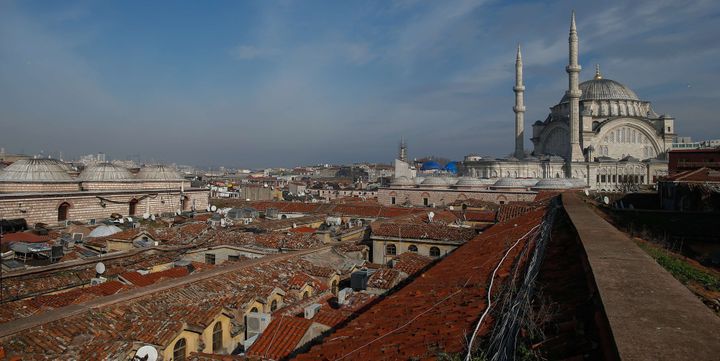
x=282, y=83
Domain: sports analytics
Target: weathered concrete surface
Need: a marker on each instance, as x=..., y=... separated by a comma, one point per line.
x=652, y=315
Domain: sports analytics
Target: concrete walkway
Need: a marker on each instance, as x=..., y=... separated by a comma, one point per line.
x=652, y=316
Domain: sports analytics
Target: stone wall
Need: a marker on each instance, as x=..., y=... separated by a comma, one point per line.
x=28, y=187
x=39, y=208
x=443, y=197
x=401, y=247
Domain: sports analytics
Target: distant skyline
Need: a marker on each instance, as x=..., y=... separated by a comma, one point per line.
x=280, y=83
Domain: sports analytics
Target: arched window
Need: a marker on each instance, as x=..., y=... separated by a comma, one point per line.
x=217, y=337
x=305, y=295
x=390, y=250
x=273, y=306
x=434, y=252
x=179, y=350
x=412, y=248
x=132, y=205
x=254, y=310
x=63, y=211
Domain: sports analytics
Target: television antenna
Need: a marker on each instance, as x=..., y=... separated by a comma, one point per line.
x=146, y=353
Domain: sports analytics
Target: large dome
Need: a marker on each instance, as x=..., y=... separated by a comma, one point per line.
x=35, y=170
x=603, y=89
x=105, y=172
x=159, y=172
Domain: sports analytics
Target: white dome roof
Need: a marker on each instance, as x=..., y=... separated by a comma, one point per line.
x=472, y=182
x=560, y=183
x=159, y=172
x=434, y=182
x=105, y=172
x=419, y=180
x=450, y=180
x=514, y=183
x=402, y=181
x=35, y=170
x=104, y=231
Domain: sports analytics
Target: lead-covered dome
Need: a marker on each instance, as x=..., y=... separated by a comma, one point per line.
x=105, y=172
x=603, y=89
x=35, y=171
x=159, y=172
x=434, y=182
x=402, y=181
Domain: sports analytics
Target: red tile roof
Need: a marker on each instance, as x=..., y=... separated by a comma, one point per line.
x=141, y=280
x=280, y=338
x=27, y=237
x=432, y=231
x=435, y=311
x=303, y=230
x=411, y=263
x=384, y=279
x=702, y=175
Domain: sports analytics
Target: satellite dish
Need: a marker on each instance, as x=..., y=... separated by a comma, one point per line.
x=587, y=193
x=146, y=353
x=208, y=208
x=606, y=200
x=213, y=208
x=130, y=219
x=152, y=217
x=177, y=212
x=100, y=268
x=146, y=215
x=451, y=208
x=430, y=216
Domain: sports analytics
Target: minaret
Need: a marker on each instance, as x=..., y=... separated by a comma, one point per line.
x=574, y=93
x=403, y=150
x=519, y=107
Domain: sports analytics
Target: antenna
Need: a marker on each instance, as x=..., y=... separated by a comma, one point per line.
x=146, y=353
x=100, y=268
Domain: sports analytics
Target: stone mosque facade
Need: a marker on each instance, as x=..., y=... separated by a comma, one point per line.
x=600, y=132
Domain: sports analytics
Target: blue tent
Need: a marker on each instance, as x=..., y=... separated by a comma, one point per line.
x=451, y=167
x=431, y=165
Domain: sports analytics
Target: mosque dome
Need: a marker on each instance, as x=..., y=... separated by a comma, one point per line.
x=431, y=165
x=35, y=171
x=159, y=172
x=105, y=172
x=470, y=182
x=603, y=89
x=402, y=182
x=514, y=183
x=104, y=231
x=555, y=183
x=434, y=182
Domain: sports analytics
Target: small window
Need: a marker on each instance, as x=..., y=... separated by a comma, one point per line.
x=413, y=248
x=305, y=295
x=273, y=306
x=392, y=200
x=434, y=252
x=254, y=310
x=209, y=258
x=390, y=250
x=235, y=258
x=426, y=202
x=217, y=337
x=179, y=350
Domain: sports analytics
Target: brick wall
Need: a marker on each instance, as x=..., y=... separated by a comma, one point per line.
x=442, y=197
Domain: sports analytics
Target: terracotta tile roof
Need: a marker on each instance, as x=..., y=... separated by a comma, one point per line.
x=384, y=279
x=27, y=237
x=303, y=230
x=701, y=175
x=200, y=356
x=141, y=280
x=431, y=231
x=477, y=216
x=434, y=312
x=280, y=338
x=411, y=263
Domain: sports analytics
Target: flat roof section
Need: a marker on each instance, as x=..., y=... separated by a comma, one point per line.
x=652, y=315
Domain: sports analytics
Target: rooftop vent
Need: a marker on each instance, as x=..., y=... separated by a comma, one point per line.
x=312, y=310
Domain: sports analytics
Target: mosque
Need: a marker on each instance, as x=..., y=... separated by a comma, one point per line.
x=600, y=132
x=50, y=191
x=600, y=136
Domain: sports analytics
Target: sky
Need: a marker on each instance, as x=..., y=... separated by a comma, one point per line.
x=282, y=83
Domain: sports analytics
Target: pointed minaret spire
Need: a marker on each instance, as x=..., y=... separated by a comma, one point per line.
x=598, y=76
x=519, y=107
x=573, y=69
x=403, y=150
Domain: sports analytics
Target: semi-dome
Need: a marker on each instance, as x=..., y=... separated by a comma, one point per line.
x=434, y=182
x=159, y=172
x=105, y=172
x=603, y=89
x=104, y=231
x=402, y=181
x=35, y=171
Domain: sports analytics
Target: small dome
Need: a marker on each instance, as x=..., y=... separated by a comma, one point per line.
x=105, y=172
x=104, y=231
x=419, y=180
x=559, y=183
x=35, y=170
x=159, y=172
x=471, y=182
x=431, y=165
x=402, y=182
x=514, y=183
x=604, y=89
x=434, y=182
x=450, y=180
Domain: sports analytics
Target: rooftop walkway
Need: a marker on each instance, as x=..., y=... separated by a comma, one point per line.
x=652, y=316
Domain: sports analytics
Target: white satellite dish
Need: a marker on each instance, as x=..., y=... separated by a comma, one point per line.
x=130, y=219
x=430, y=216
x=606, y=200
x=152, y=217
x=146, y=353
x=587, y=193
x=208, y=208
x=451, y=208
x=213, y=208
x=178, y=212
x=146, y=215
x=100, y=268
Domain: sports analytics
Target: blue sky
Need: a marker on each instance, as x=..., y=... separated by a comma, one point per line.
x=279, y=83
